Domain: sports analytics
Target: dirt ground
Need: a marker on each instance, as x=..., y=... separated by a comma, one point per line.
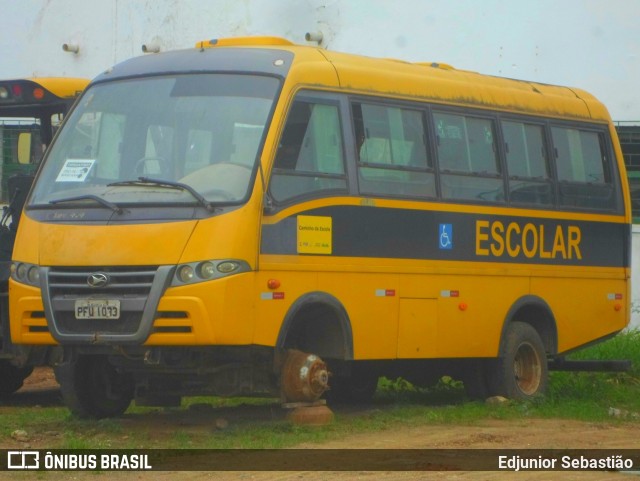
x=42, y=379
x=490, y=434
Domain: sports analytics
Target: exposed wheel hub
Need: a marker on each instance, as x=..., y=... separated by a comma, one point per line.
x=304, y=377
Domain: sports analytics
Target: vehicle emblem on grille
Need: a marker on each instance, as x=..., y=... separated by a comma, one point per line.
x=98, y=279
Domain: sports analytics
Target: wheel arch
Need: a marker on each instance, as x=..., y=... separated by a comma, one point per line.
x=317, y=322
x=535, y=311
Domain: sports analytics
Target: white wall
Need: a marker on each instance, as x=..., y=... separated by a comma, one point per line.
x=591, y=44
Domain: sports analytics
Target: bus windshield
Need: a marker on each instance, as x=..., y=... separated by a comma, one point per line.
x=159, y=140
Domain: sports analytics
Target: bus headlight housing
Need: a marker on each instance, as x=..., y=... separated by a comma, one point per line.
x=194, y=272
x=185, y=274
x=227, y=267
x=33, y=275
x=207, y=270
x=26, y=273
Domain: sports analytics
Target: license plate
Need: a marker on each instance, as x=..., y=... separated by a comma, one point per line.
x=97, y=309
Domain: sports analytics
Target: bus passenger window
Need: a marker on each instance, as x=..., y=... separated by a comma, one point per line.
x=529, y=176
x=583, y=173
x=467, y=158
x=453, y=150
x=310, y=154
x=392, y=151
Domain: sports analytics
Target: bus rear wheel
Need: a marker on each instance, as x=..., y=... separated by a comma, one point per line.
x=12, y=377
x=93, y=388
x=521, y=372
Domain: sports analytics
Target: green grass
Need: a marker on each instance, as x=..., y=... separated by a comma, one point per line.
x=589, y=395
x=260, y=423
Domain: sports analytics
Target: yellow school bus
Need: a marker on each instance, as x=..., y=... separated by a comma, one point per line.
x=30, y=110
x=254, y=216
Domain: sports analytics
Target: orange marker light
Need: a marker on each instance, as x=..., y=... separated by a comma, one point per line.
x=273, y=283
x=617, y=307
x=462, y=306
x=38, y=93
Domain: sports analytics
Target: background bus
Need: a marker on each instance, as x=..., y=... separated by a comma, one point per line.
x=219, y=219
x=30, y=112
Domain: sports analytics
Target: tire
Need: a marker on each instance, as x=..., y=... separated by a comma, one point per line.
x=358, y=388
x=93, y=388
x=12, y=377
x=521, y=371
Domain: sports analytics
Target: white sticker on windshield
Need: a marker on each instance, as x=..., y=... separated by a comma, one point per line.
x=75, y=170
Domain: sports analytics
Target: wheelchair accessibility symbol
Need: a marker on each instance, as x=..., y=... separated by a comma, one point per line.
x=446, y=236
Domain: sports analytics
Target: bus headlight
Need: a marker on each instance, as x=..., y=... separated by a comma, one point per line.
x=26, y=273
x=227, y=267
x=185, y=274
x=21, y=272
x=33, y=275
x=208, y=270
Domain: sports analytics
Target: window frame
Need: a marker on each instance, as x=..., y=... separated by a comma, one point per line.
x=550, y=180
x=483, y=114
x=610, y=168
x=429, y=169
x=322, y=98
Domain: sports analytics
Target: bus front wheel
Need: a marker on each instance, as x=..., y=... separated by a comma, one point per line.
x=521, y=371
x=93, y=388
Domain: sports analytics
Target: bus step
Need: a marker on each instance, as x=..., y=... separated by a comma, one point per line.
x=561, y=364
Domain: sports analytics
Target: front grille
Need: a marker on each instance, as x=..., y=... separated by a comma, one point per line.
x=122, y=281
x=137, y=288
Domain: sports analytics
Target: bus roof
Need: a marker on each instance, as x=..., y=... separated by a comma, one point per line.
x=317, y=67
x=63, y=87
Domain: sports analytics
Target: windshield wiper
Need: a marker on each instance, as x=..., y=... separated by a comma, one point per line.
x=95, y=198
x=146, y=181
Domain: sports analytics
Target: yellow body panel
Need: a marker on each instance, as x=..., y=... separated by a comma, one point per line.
x=216, y=312
x=80, y=245
x=465, y=324
x=26, y=315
